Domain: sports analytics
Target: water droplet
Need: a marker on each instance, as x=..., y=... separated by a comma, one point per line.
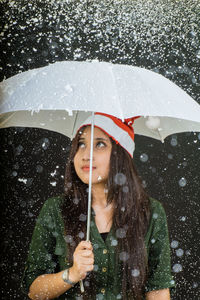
x=76, y=201
x=177, y=268
x=124, y=256
x=81, y=235
x=144, y=184
x=155, y=216
x=144, y=157
x=99, y=297
x=125, y=189
x=152, y=123
x=120, y=178
x=19, y=149
x=179, y=252
x=173, y=141
x=195, y=284
x=96, y=267
x=182, y=182
x=99, y=178
x=135, y=272
x=45, y=143
x=174, y=244
x=39, y=169
x=14, y=174
x=120, y=233
x=83, y=217
x=23, y=204
x=114, y=242
x=170, y=156
x=69, y=239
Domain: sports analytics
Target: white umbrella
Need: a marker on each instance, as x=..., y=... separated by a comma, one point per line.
x=60, y=96
x=121, y=90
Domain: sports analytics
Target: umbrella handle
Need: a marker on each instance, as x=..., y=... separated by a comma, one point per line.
x=81, y=286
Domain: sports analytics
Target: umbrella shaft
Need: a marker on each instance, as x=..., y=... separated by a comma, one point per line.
x=90, y=180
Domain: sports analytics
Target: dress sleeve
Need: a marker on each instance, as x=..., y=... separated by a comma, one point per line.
x=159, y=261
x=40, y=258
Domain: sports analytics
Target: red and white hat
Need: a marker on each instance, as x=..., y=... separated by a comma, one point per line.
x=121, y=132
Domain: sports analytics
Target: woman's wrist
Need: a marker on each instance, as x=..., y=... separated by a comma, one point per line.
x=73, y=276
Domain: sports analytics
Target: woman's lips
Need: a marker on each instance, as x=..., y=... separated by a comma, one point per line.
x=87, y=169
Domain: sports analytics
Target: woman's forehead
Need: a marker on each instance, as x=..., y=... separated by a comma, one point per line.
x=86, y=132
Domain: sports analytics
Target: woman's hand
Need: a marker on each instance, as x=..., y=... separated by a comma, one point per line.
x=83, y=261
x=158, y=295
x=51, y=286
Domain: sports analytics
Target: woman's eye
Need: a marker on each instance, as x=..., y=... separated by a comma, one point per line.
x=101, y=143
x=80, y=144
x=98, y=145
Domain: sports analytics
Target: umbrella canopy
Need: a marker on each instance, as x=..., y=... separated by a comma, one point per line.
x=48, y=96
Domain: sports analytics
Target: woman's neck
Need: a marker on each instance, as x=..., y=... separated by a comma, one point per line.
x=103, y=210
x=99, y=196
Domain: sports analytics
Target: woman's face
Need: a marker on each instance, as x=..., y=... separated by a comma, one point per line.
x=101, y=156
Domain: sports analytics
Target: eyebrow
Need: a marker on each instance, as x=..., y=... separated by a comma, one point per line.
x=98, y=139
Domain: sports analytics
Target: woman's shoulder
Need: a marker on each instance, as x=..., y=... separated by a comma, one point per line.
x=156, y=206
x=53, y=203
x=158, y=219
x=157, y=213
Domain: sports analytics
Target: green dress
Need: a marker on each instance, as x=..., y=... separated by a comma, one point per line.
x=48, y=249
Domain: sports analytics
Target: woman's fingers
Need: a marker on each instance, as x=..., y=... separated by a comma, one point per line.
x=79, y=258
x=88, y=261
x=86, y=253
x=85, y=245
x=83, y=260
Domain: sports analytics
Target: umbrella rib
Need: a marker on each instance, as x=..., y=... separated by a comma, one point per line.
x=74, y=124
x=116, y=89
x=8, y=117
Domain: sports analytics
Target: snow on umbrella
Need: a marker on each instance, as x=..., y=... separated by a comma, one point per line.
x=47, y=97
x=120, y=90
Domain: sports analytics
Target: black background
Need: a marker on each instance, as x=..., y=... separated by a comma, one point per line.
x=159, y=35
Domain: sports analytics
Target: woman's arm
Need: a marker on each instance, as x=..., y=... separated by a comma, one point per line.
x=50, y=286
x=158, y=295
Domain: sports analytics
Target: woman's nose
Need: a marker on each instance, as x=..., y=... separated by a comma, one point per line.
x=86, y=153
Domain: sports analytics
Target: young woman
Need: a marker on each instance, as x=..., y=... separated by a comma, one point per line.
x=128, y=256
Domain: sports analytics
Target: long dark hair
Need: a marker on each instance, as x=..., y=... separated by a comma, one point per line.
x=131, y=212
